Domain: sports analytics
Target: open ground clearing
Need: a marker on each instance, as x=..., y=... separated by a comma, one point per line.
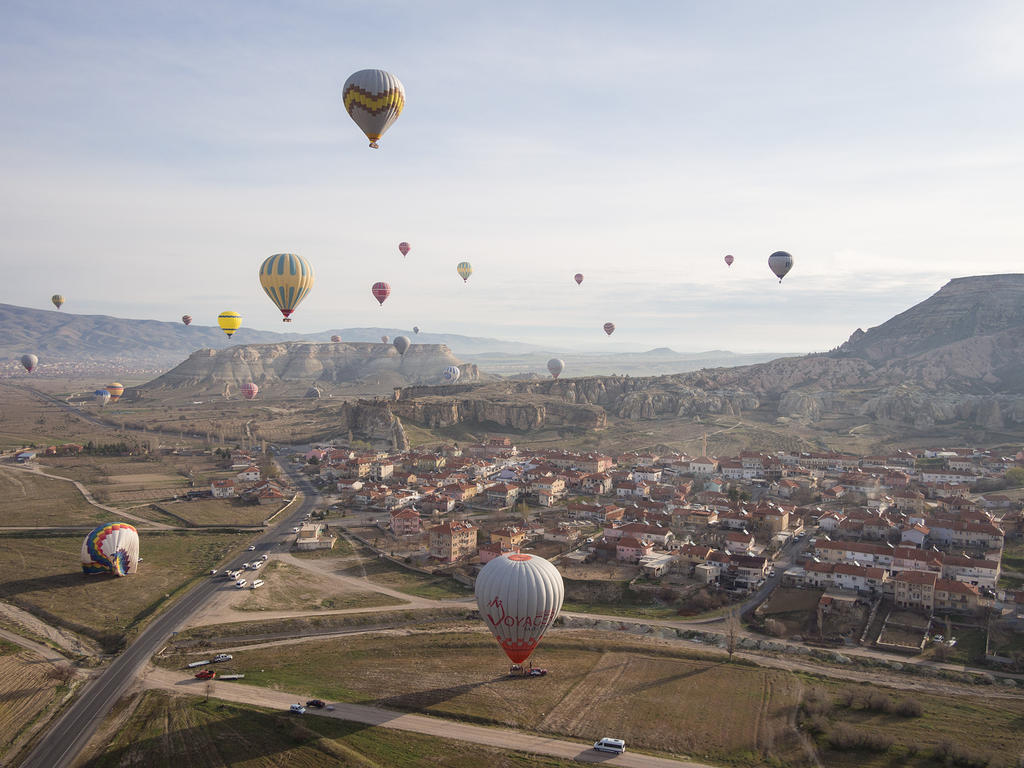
x=659, y=697
x=385, y=573
x=43, y=575
x=290, y=588
x=219, y=512
x=27, y=420
x=165, y=730
x=27, y=499
x=27, y=691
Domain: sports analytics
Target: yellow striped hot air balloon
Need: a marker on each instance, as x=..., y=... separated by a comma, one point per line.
x=116, y=390
x=229, y=321
x=57, y=300
x=373, y=99
x=287, y=278
x=465, y=269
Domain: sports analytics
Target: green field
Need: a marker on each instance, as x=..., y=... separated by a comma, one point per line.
x=598, y=683
x=27, y=499
x=167, y=731
x=43, y=575
x=219, y=512
x=386, y=573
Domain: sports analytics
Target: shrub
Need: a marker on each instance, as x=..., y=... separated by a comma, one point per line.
x=908, y=708
x=846, y=738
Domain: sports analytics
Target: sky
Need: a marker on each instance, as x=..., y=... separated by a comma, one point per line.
x=152, y=154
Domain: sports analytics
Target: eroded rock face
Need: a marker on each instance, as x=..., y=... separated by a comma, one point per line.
x=309, y=363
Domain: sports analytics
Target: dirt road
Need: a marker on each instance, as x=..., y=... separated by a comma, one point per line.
x=501, y=738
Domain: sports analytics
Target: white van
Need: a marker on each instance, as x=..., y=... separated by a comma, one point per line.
x=257, y=583
x=617, y=746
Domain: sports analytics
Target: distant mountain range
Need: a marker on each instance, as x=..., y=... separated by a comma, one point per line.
x=64, y=337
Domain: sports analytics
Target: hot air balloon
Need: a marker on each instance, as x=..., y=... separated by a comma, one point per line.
x=415, y=329
x=57, y=300
x=401, y=344
x=249, y=391
x=380, y=292
x=519, y=597
x=229, y=322
x=578, y=277
x=335, y=338
x=186, y=319
x=102, y=396
x=729, y=260
x=374, y=99
x=609, y=328
x=385, y=338
x=555, y=366
x=115, y=390
x=112, y=548
x=404, y=248
x=465, y=269
x=313, y=393
x=780, y=263
x=451, y=373
x=30, y=362
x=287, y=279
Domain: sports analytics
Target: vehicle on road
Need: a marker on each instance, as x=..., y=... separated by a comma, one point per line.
x=245, y=565
x=610, y=745
x=257, y=583
x=330, y=707
x=213, y=571
x=252, y=547
x=256, y=565
x=298, y=709
x=241, y=583
x=295, y=529
x=223, y=657
x=206, y=674
x=319, y=704
x=264, y=557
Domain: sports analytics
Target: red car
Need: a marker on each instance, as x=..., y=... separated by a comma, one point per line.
x=206, y=674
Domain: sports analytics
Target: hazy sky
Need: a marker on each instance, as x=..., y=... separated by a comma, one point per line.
x=153, y=154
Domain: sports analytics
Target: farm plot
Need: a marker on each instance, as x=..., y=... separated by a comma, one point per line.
x=291, y=588
x=43, y=575
x=597, y=683
x=219, y=512
x=32, y=500
x=388, y=574
x=27, y=691
x=165, y=731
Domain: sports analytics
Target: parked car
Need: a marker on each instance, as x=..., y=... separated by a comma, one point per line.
x=206, y=674
x=298, y=709
x=213, y=571
x=295, y=529
x=241, y=583
x=257, y=583
x=223, y=657
x=252, y=547
x=537, y=672
x=610, y=745
x=316, y=703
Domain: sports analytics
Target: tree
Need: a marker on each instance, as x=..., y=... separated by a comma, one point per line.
x=732, y=631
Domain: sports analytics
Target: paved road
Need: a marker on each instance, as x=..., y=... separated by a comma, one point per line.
x=501, y=738
x=66, y=738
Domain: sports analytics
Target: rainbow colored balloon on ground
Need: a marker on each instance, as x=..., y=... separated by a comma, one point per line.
x=112, y=548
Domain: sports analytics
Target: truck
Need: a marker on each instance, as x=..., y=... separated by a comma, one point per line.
x=195, y=664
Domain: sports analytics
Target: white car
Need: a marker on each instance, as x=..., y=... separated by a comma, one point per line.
x=213, y=571
x=256, y=565
x=265, y=557
x=298, y=709
x=223, y=657
x=241, y=583
x=295, y=529
x=252, y=547
x=257, y=583
x=610, y=745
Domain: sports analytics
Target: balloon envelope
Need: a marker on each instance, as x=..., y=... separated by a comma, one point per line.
x=116, y=390
x=380, y=292
x=519, y=597
x=335, y=338
x=555, y=366
x=451, y=373
x=30, y=362
x=112, y=548
x=186, y=319
x=780, y=263
x=385, y=339
x=465, y=269
x=102, y=396
x=401, y=344
x=609, y=328
x=373, y=99
x=404, y=248
x=415, y=329
x=57, y=300
x=229, y=322
x=287, y=279
x=578, y=277
x=249, y=390
x=729, y=260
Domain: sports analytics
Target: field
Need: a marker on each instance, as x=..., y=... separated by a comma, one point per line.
x=219, y=512
x=950, y=730
x=598, y=683
x=165, y=731
x=26, y=420
x=26, y=692
x=43, y=575
x=27, y=499
x=387, y=574
x=290, y=588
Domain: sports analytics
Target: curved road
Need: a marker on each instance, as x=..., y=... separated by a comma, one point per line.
x=68, y=735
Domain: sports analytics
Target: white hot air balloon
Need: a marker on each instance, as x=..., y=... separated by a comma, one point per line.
x=373, y=99
x=780, y=263
x=555, y=366
x=112, y=548
x=451, y=373
x=519, y=597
